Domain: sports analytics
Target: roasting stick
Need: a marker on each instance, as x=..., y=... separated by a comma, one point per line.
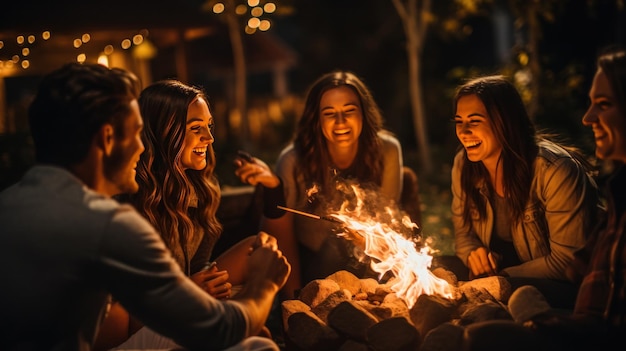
x=353, y=235
x=310, y=215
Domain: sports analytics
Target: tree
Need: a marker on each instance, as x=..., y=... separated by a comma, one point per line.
x=415, y=20
x=228, y=8
x=238, y=16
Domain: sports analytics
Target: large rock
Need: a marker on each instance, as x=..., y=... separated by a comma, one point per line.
x=430, y=311
x=496, y=286
x=290, y=307
x=352, y=320
x=323, y=308
x=308, y=332
x=317, y=291
x=346, y=280
x=393, y=334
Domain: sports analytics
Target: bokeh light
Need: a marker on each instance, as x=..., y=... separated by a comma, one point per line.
x=108, y=50
x=241, y=9
x=137, y=39
x=265, y=25
x=254, y=22
x=218, y=8
x=126, y=44
x=256, y=12
x=270, y=7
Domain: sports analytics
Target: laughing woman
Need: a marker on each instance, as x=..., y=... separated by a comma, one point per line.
x=521, y=204
x=179, y=194
x=339, y=137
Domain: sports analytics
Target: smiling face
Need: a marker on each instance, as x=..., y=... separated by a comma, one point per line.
x=119, y=166
x=606, y=120
x=341, y=117
x=474, y=130
x=198, y=135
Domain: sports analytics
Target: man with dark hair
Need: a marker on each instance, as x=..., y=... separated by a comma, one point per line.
x=67, y=246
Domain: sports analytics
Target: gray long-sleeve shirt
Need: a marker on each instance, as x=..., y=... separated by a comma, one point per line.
x=65, y=249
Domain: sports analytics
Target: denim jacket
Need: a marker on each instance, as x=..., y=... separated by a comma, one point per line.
x=563, y=204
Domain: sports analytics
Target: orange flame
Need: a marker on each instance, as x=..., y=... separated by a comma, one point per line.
x=392, y=251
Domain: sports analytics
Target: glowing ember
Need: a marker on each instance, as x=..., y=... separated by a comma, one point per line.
x=312, y=191
x=380, y=234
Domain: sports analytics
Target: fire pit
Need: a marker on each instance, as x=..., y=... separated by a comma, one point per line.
x=343, y=312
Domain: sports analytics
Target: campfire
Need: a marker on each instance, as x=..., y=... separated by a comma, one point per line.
x=343, y=312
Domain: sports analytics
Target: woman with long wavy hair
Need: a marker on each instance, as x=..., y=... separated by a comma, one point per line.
x=522, y=204
x=597, y=321
x=339, y=140
x=178, y=191
x=179, y=194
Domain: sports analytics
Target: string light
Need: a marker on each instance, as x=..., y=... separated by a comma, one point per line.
x=241, y=9
x=270, y=7
x=126, y=44
x=108, y=50
x=9, y=61
x=254, y=22
x=138, y=39
x=218, y=8
x=264, y=25
x=256, y=11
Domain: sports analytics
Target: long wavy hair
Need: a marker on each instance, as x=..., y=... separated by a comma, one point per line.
x=314, y=160
x=516, y=133
x=166, y=190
